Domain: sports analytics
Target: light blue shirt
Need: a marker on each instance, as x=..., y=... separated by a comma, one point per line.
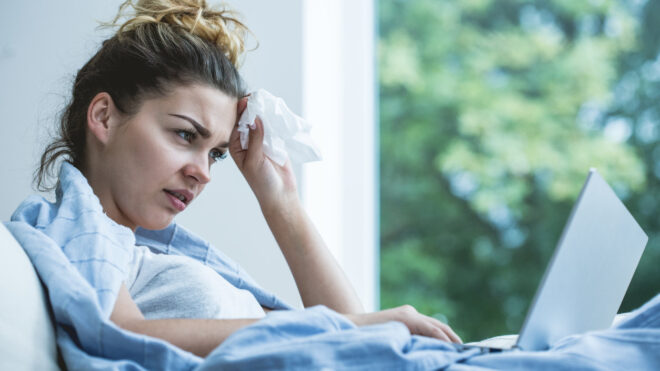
x=82, y=257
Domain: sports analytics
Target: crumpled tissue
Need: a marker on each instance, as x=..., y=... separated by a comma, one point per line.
x=286, y=135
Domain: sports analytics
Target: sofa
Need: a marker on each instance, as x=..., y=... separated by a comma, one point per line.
x=27, y=334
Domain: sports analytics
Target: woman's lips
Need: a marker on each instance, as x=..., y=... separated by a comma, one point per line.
x=175, y=201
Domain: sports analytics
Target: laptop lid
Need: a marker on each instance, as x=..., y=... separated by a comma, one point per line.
x=590, y=270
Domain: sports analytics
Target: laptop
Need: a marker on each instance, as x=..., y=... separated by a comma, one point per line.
x=587, y=276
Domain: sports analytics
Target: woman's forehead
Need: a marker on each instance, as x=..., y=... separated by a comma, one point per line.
x=202, y=105
x=202, y=98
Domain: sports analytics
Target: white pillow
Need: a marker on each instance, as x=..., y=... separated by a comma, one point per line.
x=27, y=335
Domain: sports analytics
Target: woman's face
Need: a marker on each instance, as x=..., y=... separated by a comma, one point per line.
x=157, y=161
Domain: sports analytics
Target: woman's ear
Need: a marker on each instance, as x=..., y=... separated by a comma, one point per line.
x=101, y=116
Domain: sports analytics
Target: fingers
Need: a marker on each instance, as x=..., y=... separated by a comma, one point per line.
x=447, y=330
x=234, y=140
x=242, y=103
x=440, y=334
x=435, y=329
x=426, y=326
x=255, y=142
x=416, y=323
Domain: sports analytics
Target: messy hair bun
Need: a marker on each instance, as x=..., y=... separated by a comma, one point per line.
x=162, y=44
x=220, y=27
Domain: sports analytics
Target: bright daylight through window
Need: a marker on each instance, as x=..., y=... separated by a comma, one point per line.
x=491, y=114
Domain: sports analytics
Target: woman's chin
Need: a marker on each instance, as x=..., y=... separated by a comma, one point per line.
x=156, y=225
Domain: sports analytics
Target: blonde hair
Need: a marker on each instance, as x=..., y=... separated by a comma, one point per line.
x=221, y=27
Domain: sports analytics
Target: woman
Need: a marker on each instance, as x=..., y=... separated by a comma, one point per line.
x=151, y=111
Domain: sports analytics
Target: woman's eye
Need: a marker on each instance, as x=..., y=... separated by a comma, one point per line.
x=186, y=135
x=217, y=155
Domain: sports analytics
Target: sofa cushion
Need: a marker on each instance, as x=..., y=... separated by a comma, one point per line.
x=27, y=336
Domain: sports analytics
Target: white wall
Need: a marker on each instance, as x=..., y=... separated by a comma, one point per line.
x=43, y=45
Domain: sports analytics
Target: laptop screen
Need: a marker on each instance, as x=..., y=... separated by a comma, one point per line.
x=590, y=271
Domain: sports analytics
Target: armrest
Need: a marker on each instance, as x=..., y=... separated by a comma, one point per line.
x=27, y=335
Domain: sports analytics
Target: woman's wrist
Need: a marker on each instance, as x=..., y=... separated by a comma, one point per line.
x=282, y=206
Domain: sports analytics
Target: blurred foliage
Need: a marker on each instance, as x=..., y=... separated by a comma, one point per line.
x=491, y=114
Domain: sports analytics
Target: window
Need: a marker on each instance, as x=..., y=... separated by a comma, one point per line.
x=491, y=114
x=338, y=98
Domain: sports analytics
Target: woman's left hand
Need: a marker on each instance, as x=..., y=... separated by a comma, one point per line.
x=273, y=185
x=417, y=323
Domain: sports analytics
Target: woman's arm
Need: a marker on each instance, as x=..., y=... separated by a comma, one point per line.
x=318, y=277
x=198, y=336
x=201, y=336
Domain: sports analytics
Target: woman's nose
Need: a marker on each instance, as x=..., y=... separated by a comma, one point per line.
x=199, y=169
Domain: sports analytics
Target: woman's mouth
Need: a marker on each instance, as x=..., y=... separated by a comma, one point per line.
x=179, y=198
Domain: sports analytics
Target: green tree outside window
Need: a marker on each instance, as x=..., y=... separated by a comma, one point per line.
x=491, y=114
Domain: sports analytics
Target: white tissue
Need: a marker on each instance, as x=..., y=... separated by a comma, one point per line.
x=285, y=133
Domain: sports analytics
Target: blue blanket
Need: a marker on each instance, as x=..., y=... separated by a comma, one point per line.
x=321, y=339
x=81, y=256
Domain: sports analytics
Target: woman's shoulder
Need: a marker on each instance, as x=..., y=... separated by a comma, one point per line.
x=34, y=210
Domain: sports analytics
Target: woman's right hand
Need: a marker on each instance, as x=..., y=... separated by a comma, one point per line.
x=272, y=184
x=417, y=323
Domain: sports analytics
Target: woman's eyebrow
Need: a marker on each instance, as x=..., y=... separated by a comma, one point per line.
x=204, y=132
